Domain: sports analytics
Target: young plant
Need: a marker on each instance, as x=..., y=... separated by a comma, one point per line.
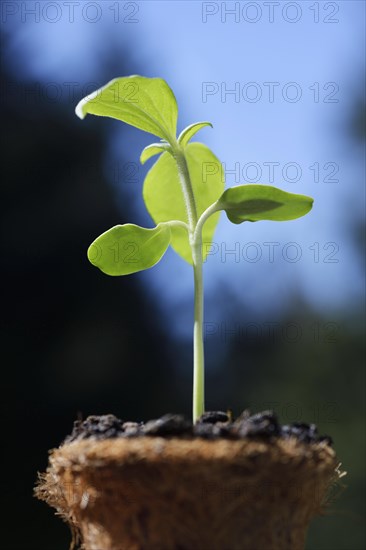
x=183, y=192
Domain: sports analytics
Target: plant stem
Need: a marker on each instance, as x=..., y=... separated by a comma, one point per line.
x=186, y=184
x=199, y=356
x=203, y=218
x=198, y=345
x=195, y=239
x=178, y=223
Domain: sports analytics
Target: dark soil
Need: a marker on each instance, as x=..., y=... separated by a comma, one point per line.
x=211, y=425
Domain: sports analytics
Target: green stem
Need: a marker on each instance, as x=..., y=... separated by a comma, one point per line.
x=195, y=239
x=186, y=184
x=199, y=356
x=178, y=223
x=198, y=345
x=204, y=216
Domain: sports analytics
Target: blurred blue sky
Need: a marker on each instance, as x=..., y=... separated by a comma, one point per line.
x=312, y=51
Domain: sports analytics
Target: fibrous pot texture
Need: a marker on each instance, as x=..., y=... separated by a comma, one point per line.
x=154, y=493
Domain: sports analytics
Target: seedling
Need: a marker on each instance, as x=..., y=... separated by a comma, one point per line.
x=183, y=192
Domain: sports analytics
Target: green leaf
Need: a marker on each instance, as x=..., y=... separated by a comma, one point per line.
x=253, y=203
x=146, y=103
x=164, y=198
x=126, y=249
x=153, y=149
x=190, y=131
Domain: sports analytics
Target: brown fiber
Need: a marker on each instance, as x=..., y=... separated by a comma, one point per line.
x=173, y=494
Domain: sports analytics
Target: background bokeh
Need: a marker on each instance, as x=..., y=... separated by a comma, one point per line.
x=283, y=85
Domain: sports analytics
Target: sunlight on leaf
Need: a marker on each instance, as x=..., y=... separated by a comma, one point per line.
x=164, y=199
x=128, y=248
x=146, y=103
x=190, y=131
x=152, y=150
x=263, y=202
